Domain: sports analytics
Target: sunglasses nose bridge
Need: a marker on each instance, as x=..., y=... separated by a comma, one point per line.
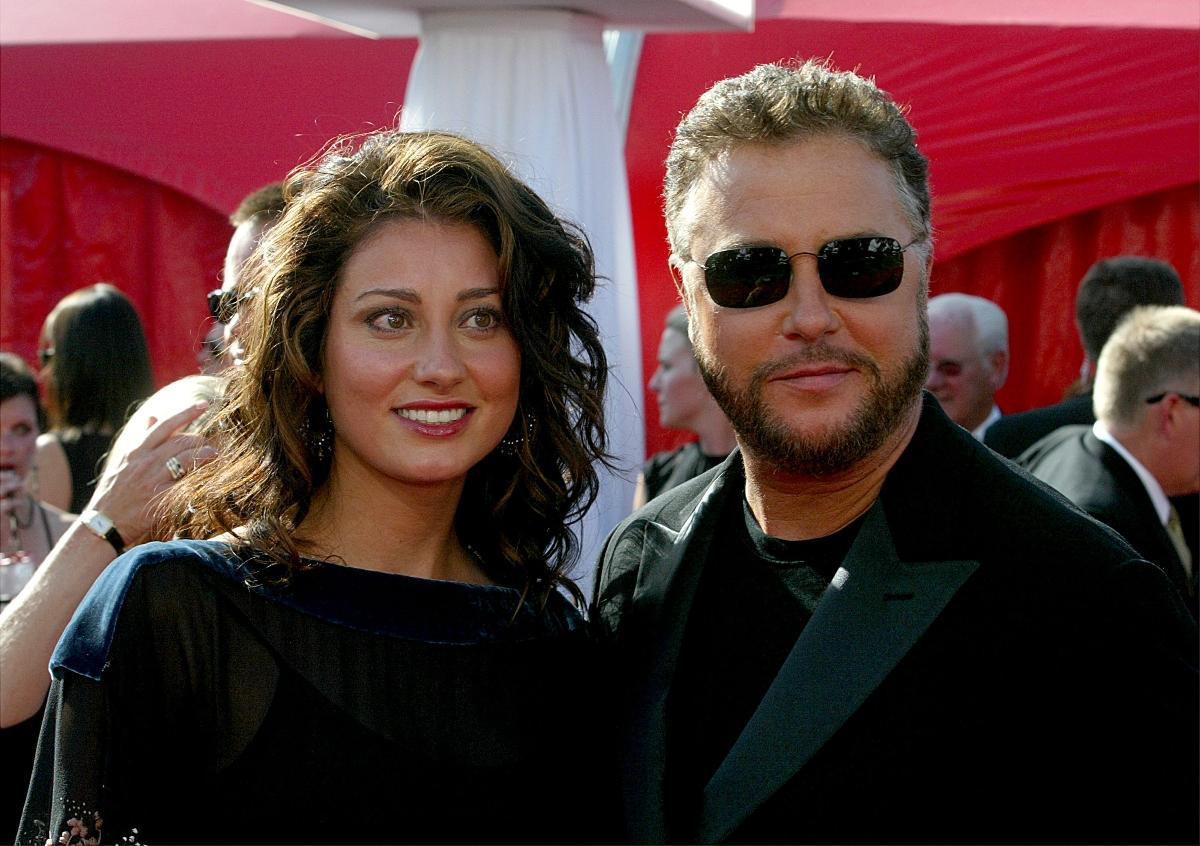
x=809, y=307
x=805, y=274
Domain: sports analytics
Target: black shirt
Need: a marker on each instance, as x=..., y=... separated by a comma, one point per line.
x=754, y=598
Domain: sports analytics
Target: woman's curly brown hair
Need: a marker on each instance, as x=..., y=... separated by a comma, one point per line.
x=516, y=510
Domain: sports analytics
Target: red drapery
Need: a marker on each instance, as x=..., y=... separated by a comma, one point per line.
x=67, y=222
x=1033, y=275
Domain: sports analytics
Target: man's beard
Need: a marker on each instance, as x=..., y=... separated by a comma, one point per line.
x=767, y=436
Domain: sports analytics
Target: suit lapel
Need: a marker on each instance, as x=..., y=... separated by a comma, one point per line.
x=666, y=584
x=873, y=612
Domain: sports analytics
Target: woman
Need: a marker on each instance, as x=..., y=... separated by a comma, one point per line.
x=373, y=648
x=29, y=528
x=96, y=369
x=684, y=402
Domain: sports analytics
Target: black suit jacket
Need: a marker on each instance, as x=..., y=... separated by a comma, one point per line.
x=1012, y=434
x=989, y=664
x=1095, y=477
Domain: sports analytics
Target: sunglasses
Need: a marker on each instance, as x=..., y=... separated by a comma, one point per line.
x=1157, y=398
x=851, y=268
x=223, y=305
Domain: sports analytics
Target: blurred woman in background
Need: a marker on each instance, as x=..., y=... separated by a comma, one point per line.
x=684, y=402
x=95, y=370
x=29, y=528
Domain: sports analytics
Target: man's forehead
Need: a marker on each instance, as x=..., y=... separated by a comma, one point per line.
x=242, y=243
x=953, y=333
x=834, y=177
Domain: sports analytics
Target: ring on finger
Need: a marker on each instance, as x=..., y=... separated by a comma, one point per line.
x=175, y=469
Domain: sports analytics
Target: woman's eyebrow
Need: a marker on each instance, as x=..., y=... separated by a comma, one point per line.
x=406, y=294
x=476, y=293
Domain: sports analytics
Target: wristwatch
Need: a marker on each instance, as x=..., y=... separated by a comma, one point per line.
x=101, y=526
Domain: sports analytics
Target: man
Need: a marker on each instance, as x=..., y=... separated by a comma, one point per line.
x=684, y=402
x=1107, y=292
x=863, y=626
x=968, y=358
x=1145, y=443
x=254, y=216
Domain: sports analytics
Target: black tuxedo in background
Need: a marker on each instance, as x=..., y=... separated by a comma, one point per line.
x=1094, y=476
x=990, y=664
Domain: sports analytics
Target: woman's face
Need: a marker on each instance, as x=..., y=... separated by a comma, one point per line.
x=18, y=434
x=677, y=383
x=420, y=370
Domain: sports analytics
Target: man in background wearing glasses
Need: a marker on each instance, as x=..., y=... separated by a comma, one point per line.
x=1145, y=444
x=864, y=626
x=254, y=216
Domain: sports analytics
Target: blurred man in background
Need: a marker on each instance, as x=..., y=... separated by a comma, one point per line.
x=968, y=358
x=1145, y=444
x=254, y=216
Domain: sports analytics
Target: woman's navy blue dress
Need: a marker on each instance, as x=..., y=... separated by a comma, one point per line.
x=191, y=702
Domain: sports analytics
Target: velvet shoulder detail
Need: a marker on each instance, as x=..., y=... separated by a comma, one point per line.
x=384, y=604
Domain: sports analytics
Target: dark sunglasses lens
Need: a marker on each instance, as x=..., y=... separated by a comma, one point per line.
x=747, y=277
x=222, y=305
x=856, y=268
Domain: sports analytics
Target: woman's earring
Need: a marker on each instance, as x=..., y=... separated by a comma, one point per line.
x=510, y=444
x=319, y=435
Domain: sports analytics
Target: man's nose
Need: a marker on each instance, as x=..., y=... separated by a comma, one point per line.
x=810, y=313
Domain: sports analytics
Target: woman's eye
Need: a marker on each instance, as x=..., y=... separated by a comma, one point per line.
x=483, y=319
x=389, y=321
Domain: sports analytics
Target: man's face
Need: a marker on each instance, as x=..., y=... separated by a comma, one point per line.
x=963, y=379
x=814, y=384
x=1183, y=473
x=241, y=245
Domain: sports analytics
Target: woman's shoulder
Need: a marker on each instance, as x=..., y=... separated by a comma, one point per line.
x=178, y=573
x=214, y=556
x=660, y=464
x=54, y=473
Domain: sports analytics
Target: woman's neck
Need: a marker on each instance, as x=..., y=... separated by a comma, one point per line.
x=363, y=520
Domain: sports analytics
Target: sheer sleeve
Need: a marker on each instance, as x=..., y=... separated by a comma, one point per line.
x=66, y=803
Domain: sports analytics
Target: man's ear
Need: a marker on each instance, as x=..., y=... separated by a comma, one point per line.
x=999, y=362
x=675, y=266
x=1172, y=413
